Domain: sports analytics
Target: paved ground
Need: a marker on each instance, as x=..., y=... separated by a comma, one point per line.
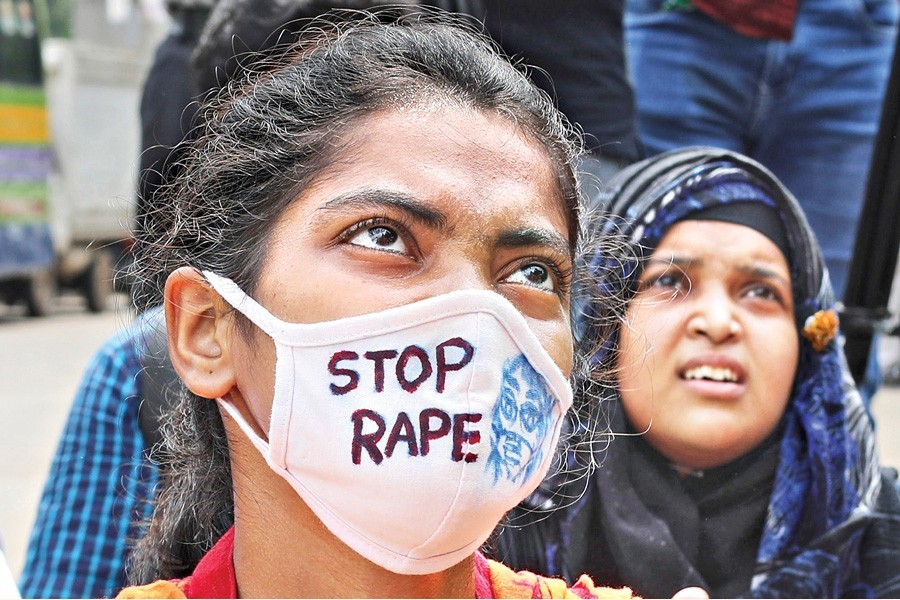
x=41, y=361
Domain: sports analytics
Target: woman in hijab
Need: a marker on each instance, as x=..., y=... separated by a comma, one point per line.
x=742, y=460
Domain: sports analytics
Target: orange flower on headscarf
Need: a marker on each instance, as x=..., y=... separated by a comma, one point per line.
x=820, y=328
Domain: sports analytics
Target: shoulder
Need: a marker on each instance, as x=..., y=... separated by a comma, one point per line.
x=111, y=376
x=118, y=359
x=158, y=589
x=506, y=583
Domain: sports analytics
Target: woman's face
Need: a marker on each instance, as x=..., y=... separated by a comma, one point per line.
x=423, y=203
x=710, y=349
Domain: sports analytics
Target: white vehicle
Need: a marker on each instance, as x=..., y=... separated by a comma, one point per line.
x=94, y=85
x=93, y=82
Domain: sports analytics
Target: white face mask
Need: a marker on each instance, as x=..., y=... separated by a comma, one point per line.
x=409, y=432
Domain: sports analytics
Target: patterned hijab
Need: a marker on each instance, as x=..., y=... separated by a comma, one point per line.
x=827, y=483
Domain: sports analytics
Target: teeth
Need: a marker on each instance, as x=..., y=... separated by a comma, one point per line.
x=712, y=373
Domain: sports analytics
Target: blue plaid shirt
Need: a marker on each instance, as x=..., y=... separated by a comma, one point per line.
x=99, y=485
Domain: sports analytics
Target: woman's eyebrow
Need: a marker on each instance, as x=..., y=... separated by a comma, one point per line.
x=380, y=198
x=535, y=236
x=761, y=272
x=682, y=262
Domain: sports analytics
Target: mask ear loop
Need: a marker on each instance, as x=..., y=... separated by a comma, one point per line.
x=244, y=304
x=274, y=328
x=262, y=445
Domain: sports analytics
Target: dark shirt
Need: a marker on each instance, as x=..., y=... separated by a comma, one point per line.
x=580, y=45
x=168, y=109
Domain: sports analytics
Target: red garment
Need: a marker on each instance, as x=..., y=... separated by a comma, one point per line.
x=214, y=577
x=766, y=19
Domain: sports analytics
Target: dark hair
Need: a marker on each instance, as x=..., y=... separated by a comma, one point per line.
x=237, y=31
x=263, y=138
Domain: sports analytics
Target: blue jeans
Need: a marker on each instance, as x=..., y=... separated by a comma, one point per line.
x=808, y=109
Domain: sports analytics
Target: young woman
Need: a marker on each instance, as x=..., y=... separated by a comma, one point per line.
x=743, y=461
x=367, y=262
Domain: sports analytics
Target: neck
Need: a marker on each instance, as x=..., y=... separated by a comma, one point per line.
x=282, y=550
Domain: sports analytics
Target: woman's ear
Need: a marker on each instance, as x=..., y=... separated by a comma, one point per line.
x=200, y=334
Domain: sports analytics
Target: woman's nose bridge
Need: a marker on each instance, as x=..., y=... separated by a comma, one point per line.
x=467, y=273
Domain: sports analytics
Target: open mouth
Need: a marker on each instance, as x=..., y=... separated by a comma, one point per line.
x=710, y=373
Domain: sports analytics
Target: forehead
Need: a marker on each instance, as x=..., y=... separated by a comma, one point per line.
x=722, y=243
x=455, y=157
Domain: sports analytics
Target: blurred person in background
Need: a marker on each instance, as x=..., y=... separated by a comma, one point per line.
x=798, y=86
x=169, y=98
x=577, y=54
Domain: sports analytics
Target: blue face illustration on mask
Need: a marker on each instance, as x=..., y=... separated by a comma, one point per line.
x=521, y=417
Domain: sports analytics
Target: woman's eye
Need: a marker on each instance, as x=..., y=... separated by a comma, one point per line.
x=674, y=281
x=763, y=292
x=670, y=281
x=665, y=286
x=379, y=237
x=535, y=275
